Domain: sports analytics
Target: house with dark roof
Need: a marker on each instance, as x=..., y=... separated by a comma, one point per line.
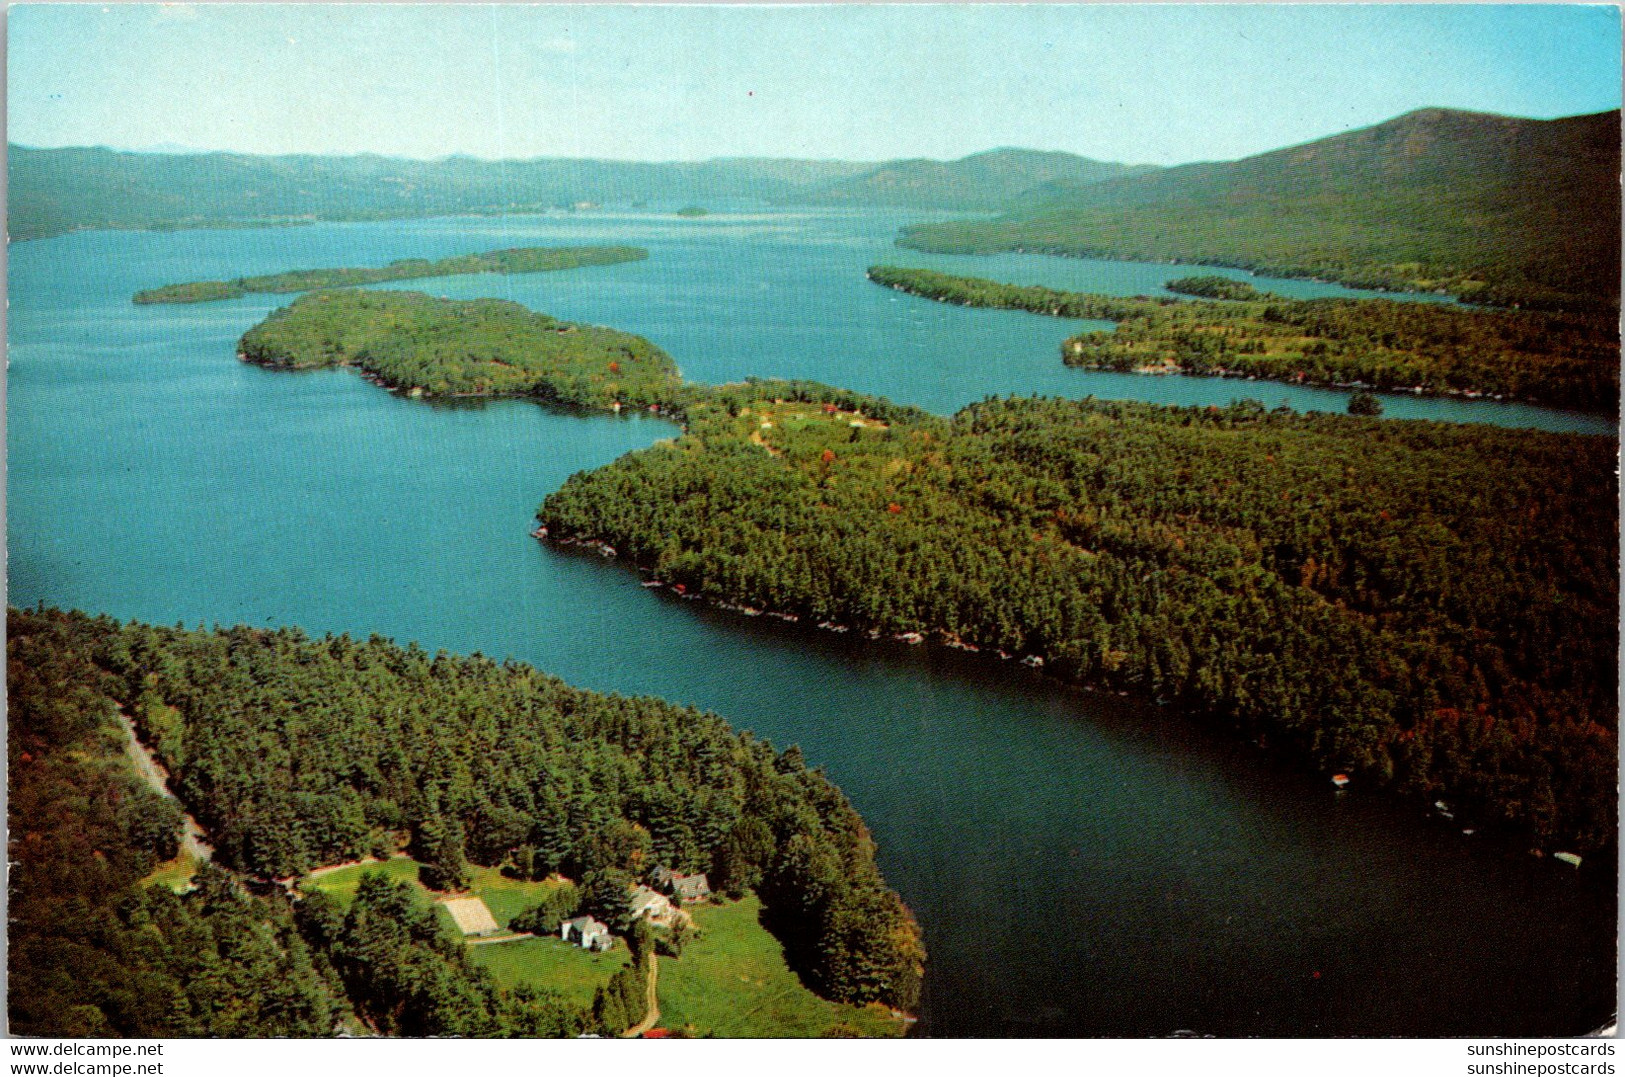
x=688, y=889
x=651, y=904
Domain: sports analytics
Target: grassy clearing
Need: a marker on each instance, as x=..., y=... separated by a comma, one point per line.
x=175, y=874
x=734, y=982
x=550, y=963
x=507, y=897
x=341, y=884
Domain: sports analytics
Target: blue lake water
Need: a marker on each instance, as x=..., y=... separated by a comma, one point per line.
x=1082, y=865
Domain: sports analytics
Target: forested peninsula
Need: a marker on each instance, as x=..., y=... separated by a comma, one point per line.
x=479, y=347
x=514, y=260
x=1422, y=605
x=296, y=752
x=1563, y=359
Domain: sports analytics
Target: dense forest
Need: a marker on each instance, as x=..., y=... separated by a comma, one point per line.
x=1212, y=286
x=1423, y=605
x=477, y=347
x=294, y=753
x=1565, y=359
x=1493, y=209
x=514, y=260
x=92, y=952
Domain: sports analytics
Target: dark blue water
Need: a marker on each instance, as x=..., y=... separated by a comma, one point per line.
x=1082, y=864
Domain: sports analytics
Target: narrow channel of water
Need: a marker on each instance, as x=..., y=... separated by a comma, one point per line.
x=1082, y=864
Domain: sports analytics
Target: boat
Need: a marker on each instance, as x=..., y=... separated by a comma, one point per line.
x=1033, y=661
x=1567, y=858
x=1340, y=780
x=909, y=638
x=652, y=583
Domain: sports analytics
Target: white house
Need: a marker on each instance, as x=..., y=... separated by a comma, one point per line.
x=587, y=933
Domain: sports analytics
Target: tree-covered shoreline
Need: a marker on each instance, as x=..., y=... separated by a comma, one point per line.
x=1403, y=555
x=296, y=752
x=478, y=347
x=514, y=260
x=1420, y=604
x=1494, y=210
x=1564, y=360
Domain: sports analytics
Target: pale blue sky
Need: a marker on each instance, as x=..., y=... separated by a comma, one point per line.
x=1126, y=83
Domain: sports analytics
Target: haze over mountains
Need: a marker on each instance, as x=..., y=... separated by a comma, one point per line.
x=1491, y=208
x=59, y=190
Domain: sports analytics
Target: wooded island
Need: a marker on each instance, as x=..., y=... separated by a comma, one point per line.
x=476, y=347
x=515, y=260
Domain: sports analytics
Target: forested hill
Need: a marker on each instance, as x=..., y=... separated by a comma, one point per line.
x=513, y=260
x=295, y=752
x=981, y=181
x=1490, y=208
x=60, y=190
x=1422, y=604
x=1567, y=359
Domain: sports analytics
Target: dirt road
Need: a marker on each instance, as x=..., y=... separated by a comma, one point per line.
x=652, y=1018
x=153, y=773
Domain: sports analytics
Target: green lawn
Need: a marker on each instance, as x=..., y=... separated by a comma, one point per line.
x=551, y=963
x=734, y=982
x=507, y=897
x=548, y=963
x=341, y=884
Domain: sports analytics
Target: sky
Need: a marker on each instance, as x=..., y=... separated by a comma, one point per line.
x=1133, y=83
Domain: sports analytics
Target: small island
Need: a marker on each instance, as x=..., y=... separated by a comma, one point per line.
x=434, y=347
x=513, y=260
x=1213, y=286
x=1565, y=359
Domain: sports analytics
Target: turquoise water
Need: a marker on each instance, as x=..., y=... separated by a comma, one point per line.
x=1082, y=864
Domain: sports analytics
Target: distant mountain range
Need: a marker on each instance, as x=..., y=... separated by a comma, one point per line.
x=60, y=190
x=1489, y=208
x=989, y=180
x=1486, y=207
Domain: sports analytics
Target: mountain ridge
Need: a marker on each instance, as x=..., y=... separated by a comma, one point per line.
x=61, y=189
x=1487, y=207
